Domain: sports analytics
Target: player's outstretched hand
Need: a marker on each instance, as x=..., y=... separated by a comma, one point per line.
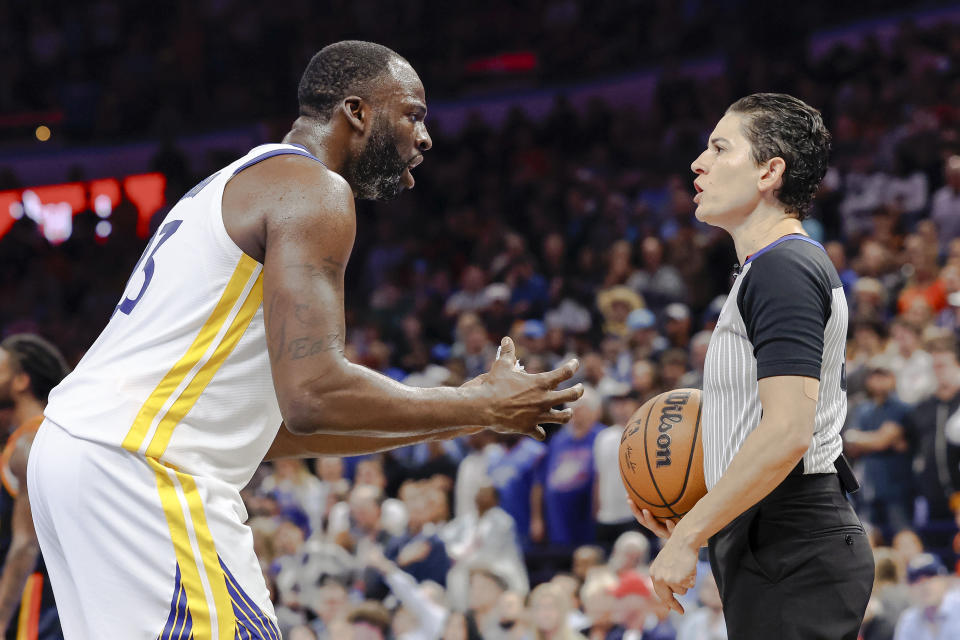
x=661, y=528
x=520, y=402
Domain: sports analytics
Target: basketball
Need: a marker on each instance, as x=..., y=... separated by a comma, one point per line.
x=661, y=454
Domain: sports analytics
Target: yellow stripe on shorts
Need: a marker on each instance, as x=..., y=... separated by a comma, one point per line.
x=208, y=332
x=190, y=565
x=190, y=395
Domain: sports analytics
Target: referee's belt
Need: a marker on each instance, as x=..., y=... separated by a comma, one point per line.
x=847, y=479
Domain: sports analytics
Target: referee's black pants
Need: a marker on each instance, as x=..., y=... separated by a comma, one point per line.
x=796, y=566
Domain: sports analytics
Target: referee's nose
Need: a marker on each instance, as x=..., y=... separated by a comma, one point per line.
x=698, y=166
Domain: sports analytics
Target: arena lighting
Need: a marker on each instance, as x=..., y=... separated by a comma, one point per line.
x=52, y=207
x=515, y=62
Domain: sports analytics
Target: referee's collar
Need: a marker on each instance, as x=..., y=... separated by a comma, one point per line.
x=781, y=240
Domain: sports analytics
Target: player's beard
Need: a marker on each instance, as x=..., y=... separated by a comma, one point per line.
x=377, y=173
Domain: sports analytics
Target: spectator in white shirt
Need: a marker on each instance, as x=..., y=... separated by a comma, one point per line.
x=936, y=614
x=610, y=498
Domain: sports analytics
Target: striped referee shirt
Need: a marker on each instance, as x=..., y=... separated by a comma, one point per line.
x=786, y=315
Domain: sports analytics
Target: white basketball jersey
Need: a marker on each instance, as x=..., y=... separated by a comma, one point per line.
x=181, y=372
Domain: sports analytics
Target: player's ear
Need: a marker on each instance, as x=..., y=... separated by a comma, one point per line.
x=771, y=177
x=357, y=112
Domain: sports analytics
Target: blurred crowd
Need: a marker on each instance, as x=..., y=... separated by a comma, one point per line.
x=574, y=235
x=117, y=69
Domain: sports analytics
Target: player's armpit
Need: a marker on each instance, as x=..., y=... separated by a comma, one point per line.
x=290, y=445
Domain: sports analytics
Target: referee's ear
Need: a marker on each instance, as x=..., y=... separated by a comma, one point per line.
x=771, y=179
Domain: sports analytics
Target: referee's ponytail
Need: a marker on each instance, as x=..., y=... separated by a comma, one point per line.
x=39, y=359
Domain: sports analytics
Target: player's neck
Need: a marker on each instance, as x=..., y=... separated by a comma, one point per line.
x=25, y=409
x=316, y=137
x=762, y=227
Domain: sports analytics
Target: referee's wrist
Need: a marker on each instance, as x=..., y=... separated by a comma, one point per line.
x=688, y=534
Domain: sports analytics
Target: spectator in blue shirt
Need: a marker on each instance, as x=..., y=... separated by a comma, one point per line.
x=877, y=440
x=514, y=474
x=564, y=494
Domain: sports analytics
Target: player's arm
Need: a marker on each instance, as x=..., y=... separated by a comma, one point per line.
x=290, y=445
x=24, y=547
x=308, y=240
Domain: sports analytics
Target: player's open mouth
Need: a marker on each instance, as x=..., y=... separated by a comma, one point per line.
x=699, y=189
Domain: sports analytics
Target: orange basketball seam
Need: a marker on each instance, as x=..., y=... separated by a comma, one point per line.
x=653, y=478
x=627, y=482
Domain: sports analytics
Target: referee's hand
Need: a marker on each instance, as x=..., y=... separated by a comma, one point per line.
x=661, y=528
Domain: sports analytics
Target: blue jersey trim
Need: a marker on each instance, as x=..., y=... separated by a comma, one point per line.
x=278, y=152
x=792, y=236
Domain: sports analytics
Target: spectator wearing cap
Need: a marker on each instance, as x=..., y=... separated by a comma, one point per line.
x=533, y=337
x=634, y=603
x=875, y=439
x=610, y=498
x=677, y=325
x=497, y=315
x=563, y=495
x=645, y=341
x=600, y=608
x=936, y=612
x=937, y=458
x=615, y=305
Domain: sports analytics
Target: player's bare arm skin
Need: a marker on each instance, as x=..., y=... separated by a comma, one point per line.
x=307, y=227
x=289, y=445
x=24, y=548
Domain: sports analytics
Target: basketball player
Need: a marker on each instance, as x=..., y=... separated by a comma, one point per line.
x=788, y=552
x=29, y=368
x=232, y=320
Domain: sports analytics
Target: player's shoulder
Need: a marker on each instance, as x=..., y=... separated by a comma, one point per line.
x=296, y=179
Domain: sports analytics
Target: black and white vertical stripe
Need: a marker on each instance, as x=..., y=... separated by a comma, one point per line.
x=731, y=405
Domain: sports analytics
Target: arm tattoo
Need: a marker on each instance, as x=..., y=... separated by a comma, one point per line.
x=307, y=346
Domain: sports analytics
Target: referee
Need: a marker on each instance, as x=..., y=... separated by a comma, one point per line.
x=789, y=554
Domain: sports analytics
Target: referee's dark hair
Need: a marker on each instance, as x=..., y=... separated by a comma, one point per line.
x=779, y=125
x=350, y=67
x=39, y=359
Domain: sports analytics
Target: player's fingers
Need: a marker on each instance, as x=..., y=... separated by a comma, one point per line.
x=507, y=353
x=538, y=433
x=572, y=394
x=555, y=416
x=551, y=379
x=671, y=525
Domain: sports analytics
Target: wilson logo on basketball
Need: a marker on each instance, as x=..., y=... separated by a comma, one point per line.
x=670, y=414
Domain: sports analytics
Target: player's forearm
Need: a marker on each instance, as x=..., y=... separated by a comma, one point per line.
x=290, y=445
x=17, y=567
x=765, y=459
x=361, y=402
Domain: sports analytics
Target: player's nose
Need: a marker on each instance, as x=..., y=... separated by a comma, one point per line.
x=424, y=141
